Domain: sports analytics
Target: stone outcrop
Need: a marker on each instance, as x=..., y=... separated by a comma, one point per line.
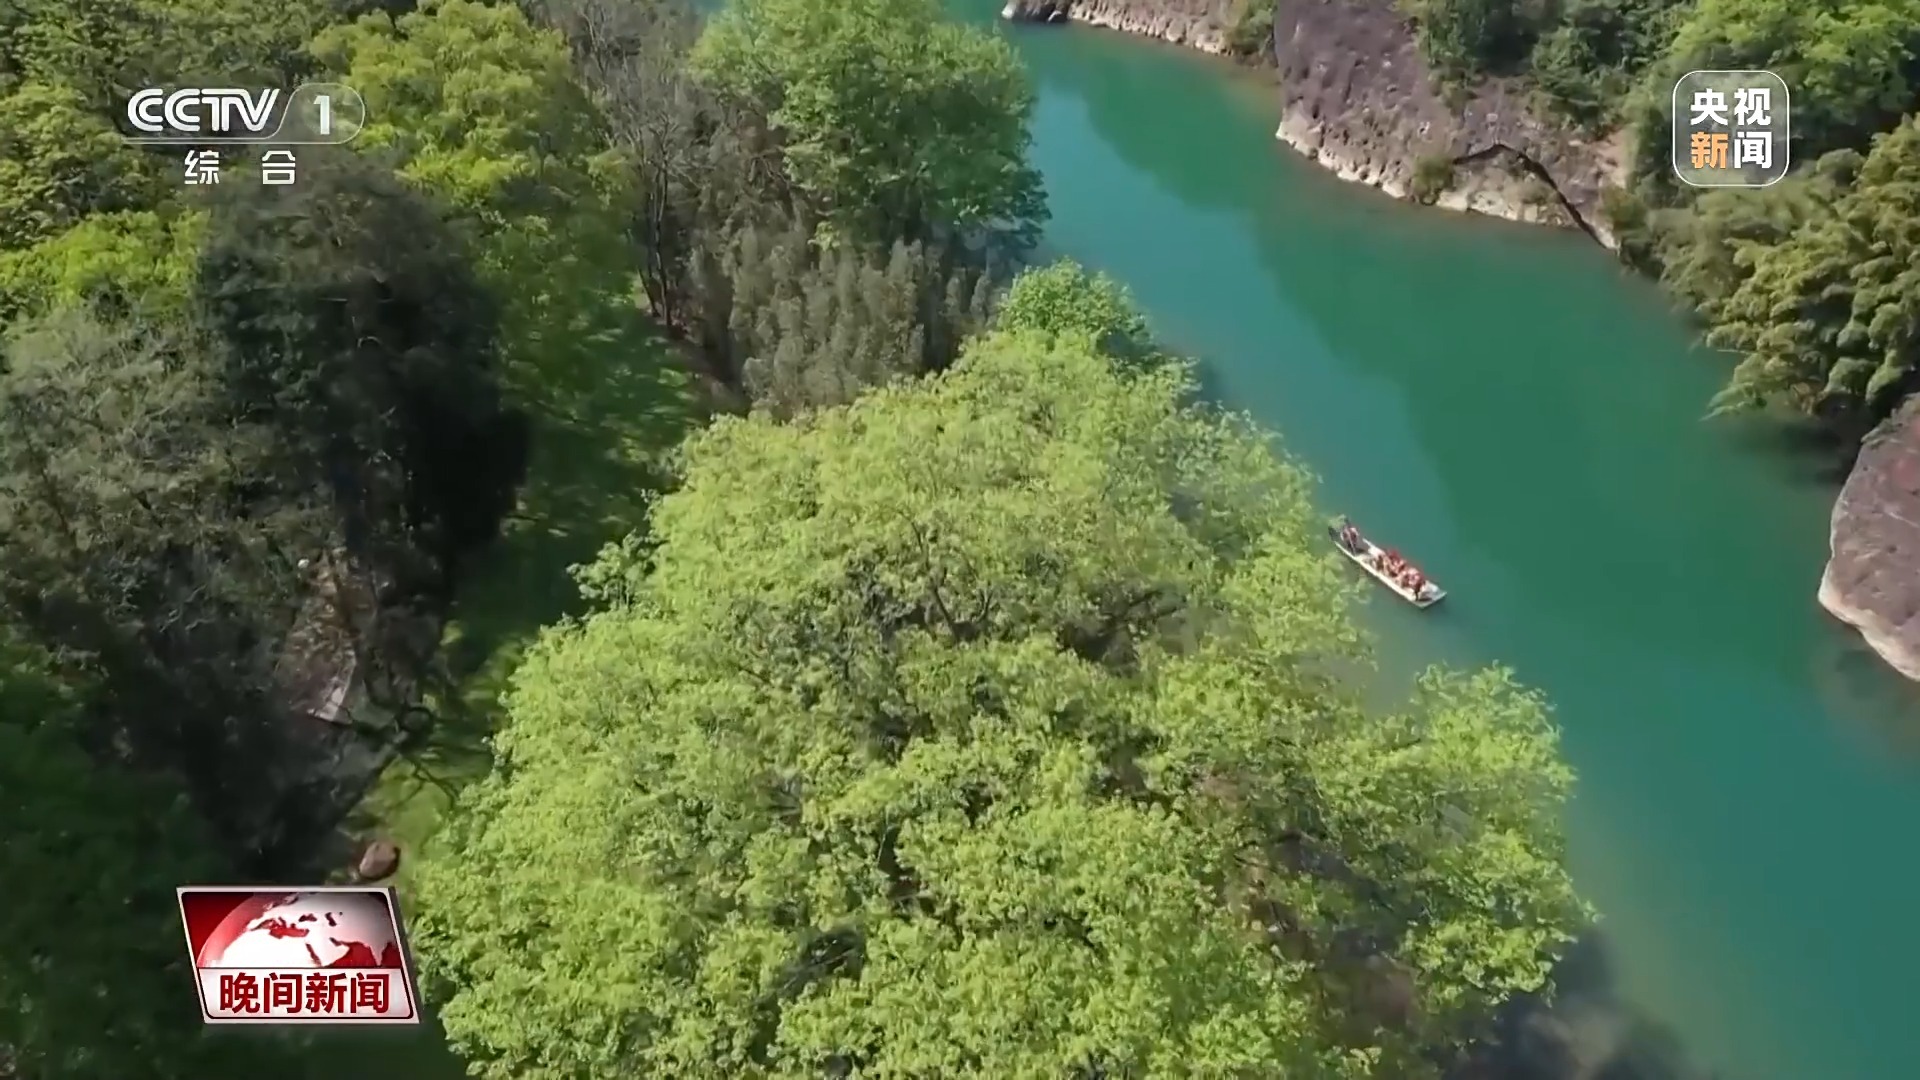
x=1197, y=24
x=1357, y=98
x=1872, y=580
x=378, y=860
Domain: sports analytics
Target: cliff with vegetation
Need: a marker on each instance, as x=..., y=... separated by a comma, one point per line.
x=1870, y=582
x=1359, y=99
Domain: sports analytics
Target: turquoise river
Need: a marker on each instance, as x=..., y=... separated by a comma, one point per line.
x=1507, y=406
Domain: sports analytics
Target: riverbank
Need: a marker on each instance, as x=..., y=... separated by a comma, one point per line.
x=1358, y=100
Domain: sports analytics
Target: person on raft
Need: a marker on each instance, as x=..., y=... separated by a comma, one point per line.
x=1350, y=535
x=1400, y=570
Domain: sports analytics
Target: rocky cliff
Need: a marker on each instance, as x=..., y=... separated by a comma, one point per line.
x=1357, y=98
x=1198, y=24
x=1870, y=581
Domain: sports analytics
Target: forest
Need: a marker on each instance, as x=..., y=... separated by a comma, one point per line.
x=792, y=632
x=1811, y=283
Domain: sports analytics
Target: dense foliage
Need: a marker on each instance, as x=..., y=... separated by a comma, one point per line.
x=246, y=443
x=844, y=144
x=816, y=328
x=928, y=737
x=1064, y=298
x=892, y=121
x=91, y=970
x=1823, y=305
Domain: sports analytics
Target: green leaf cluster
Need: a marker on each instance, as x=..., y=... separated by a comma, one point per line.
x=1063, y=297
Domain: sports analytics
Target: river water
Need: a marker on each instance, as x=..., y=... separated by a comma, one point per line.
x=1524, y=419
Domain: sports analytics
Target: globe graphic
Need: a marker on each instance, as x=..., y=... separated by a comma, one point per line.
x=308, y=929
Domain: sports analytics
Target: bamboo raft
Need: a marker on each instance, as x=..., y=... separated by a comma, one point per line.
x=1369, y=557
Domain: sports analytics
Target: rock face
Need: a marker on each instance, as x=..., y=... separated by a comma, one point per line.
x=1872, y=581
x=1198, y=24
x=1357, y=98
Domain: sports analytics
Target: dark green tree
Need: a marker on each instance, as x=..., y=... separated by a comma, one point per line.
x=1588, y=64
x=808, y=329
x=1462, y=39
x=152, y=548
x=1827, y=319
x=94, y=984
x=357, y=332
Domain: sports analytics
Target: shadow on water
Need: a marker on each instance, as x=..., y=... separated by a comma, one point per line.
x=1587, y=1033
x=1872, y=706
x=1802, y=451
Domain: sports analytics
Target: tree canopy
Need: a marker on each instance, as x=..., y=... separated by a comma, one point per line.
x=1816, y=287
x=478, y=105
x=1063, y=297
x=987, y=726
x=92, y=977
x=893, y=120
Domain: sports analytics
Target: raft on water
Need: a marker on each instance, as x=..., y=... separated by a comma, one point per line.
x=1368, y=556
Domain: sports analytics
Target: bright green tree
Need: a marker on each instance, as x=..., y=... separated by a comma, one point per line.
x=65, y=68
x=60, y=161
x=986, y=727
x=1064, y=297
x=1849, y=63
x=893, y=121
x=480, y=106
x=130, y=261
